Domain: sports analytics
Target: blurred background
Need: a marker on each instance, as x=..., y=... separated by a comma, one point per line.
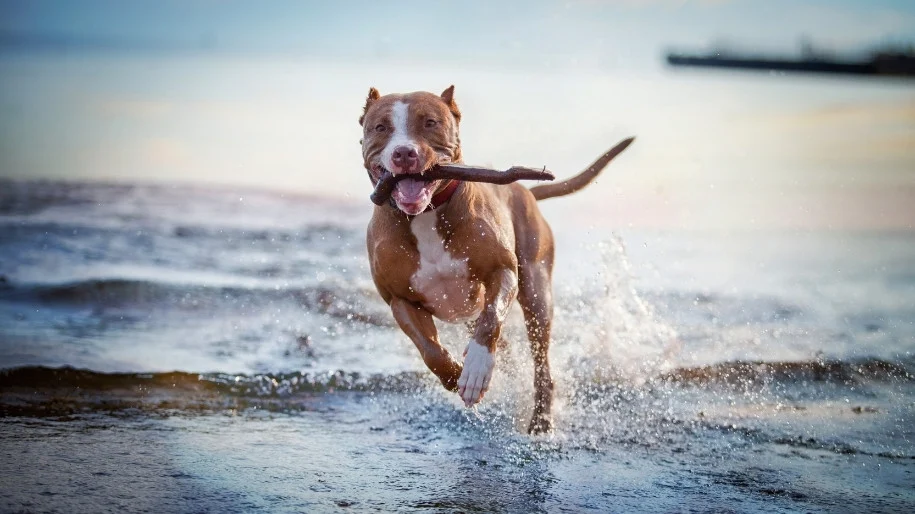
x=230, y=92
x=188, y=323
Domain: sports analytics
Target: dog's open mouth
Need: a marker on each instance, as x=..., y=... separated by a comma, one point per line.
x=412, y=195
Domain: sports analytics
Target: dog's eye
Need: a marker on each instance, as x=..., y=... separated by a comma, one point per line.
x=380, y=127
x=431, y=123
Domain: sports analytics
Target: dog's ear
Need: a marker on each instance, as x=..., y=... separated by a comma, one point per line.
x=448, y=97
x=373, y=95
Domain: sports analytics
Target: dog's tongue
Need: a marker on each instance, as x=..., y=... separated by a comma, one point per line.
x=413, y=192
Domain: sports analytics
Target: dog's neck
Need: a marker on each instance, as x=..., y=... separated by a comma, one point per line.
x=442, y=197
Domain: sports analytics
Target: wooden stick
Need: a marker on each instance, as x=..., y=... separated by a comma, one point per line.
x=388, y=181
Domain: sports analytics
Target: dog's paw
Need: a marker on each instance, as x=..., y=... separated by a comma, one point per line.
x=477, y=372
x=450, y=375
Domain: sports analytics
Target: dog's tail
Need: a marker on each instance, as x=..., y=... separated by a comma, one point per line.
x=584, y=178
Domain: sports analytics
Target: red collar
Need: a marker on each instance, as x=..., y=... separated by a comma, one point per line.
x=443, y=196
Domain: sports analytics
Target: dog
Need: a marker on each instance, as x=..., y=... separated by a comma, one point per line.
x=459, y=251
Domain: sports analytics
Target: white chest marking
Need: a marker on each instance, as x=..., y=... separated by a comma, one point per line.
x=442, y=280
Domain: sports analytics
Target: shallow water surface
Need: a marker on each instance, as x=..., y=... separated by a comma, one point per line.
x=179, y=350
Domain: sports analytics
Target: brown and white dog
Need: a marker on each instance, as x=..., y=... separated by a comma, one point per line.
x=458, y=251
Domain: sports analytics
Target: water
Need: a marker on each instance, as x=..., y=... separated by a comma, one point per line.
x=178, y=348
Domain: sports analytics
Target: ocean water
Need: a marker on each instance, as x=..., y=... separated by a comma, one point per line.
x=185, y=349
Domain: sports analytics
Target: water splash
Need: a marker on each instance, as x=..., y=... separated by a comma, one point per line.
x=611, y=332
x=607, y=344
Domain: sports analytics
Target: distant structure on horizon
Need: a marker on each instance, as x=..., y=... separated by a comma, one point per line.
x=889, y=62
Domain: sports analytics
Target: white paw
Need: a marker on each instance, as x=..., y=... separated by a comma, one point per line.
x=478, y=366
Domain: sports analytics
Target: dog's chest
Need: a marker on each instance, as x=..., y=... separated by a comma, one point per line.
x=441, y=279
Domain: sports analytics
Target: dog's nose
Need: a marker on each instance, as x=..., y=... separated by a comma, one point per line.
x=405, y=158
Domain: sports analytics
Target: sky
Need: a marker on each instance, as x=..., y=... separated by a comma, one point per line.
x=268, y=95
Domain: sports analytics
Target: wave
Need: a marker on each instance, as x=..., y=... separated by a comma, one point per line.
x=289, y=384
x=109, y=292
x=31, y=197
x=307, y=233
x=185, y=207
x=266, y=385
x=43, y=392
x=339, y=302
x=854, y=372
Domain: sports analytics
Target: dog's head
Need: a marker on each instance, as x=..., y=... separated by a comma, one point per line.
x=408, y=134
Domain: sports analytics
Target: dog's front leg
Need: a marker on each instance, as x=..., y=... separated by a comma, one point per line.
x=417, y=323
x=479, y=357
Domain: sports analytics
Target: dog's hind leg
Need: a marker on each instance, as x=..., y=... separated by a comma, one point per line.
x=536, y=298
x=417, y=323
